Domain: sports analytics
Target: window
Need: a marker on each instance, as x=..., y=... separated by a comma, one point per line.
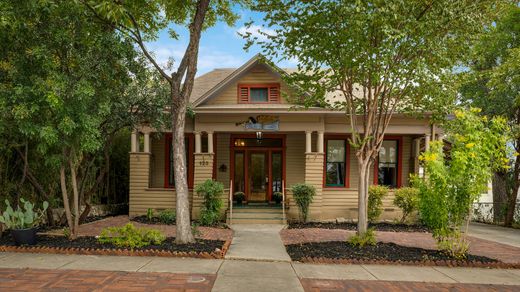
x=388, y=164
x=169, y=171
x=335, y=166
x=259, y=93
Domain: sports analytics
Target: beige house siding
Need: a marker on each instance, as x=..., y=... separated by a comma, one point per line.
x=257, y=75
x=223, y=154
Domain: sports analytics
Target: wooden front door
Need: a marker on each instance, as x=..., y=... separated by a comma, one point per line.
x=258, y=176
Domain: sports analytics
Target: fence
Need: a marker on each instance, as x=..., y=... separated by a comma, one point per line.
x=484, y=212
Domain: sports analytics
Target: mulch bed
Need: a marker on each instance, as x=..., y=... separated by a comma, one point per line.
x=383, y=253
x=154, y=220
x=89, y=245
x=382, y=226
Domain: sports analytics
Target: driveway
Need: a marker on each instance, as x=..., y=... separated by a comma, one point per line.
x=509, y=236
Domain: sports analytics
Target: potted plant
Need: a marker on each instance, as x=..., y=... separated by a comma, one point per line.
x=277, y=197
x=239, y=197
x=23, y=222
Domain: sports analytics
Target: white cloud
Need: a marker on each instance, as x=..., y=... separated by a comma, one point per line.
x=256, y=31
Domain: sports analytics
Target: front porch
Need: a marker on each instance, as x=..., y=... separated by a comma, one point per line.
x=260, y=166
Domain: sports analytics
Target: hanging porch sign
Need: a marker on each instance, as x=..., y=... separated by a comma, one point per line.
x=261, y=122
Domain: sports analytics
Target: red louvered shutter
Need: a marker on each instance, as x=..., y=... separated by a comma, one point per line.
x=243, y=94
x=274, y=94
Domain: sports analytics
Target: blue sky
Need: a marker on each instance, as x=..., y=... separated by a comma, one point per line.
x=220, y=46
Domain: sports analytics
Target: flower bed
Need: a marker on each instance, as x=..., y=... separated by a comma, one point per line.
x=382, y=226
x=89, y=245
x=383, y=253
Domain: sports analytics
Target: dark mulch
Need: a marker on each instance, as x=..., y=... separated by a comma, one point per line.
x=89, y=219
x=382, y=226
x=154, y=220
x=201, y=245
x=382, y=251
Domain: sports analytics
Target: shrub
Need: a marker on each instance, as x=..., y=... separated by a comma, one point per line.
x=452, y=184
x=277, y=197
x=167, y=216
x=149, y=214
x=22, y=218
x=407, y=199
x=368, y=238
x=375, y=201
x=211, y=191
x=303, y=195
x=239, y=197
x=130, y=236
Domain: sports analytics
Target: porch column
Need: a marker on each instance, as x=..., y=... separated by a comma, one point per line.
x=133, y=141
x=210, y=142
x=197, y=142
x=147, y=142
x=308, y=141
x=319, y=146
x=427, y=138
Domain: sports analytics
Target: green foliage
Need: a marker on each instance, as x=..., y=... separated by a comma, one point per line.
x=407, y=199
x=149, y=214
x=375, y=201
x=277, y=197
x=167, y=216
x=303, y=195
x=239, y=197
x=368, y=238
x=453, y=183
x=130, y=236
x=22, y=218
x=211, y=191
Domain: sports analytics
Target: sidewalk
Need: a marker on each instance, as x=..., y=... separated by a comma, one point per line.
x=259, y=242
x=509, y=236
x=240, y=275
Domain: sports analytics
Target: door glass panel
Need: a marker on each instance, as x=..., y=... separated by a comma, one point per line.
x=238, y=180
x=276, y=161
x=387, y=172
x=257, y=177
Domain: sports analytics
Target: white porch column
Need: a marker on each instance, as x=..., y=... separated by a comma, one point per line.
x=133, y=141
x=197, y=142
x=427, y=139
x=308, y=141
x=146, y=142
x=210, y=142
x=319, y=146
x=417, y=147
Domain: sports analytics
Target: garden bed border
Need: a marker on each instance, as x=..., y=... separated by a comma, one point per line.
x=436, y=263
x=117, y=251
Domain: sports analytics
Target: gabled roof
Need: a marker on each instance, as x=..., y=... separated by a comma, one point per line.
x=210, y=84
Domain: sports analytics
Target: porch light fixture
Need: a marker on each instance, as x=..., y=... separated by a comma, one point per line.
x=259, y=135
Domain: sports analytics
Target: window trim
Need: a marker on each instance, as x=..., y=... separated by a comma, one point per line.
x=268, y=86
x=347, y=160
x=399, y=140
x=190, y=156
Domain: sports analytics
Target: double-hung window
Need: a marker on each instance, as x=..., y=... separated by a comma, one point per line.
x=335, y=163
x=169, y=171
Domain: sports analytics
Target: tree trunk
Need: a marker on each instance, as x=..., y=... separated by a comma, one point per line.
x=65, y=195
x=513, y=196
x=500, y=196
x=364, y=175
x=183, y=225
x=74, y=232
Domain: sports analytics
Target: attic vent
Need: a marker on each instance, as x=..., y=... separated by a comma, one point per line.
x=259, y=93
x=243, y=94
x=274, y=94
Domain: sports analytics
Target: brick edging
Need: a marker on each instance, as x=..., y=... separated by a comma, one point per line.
x=117, y=251
x=438, y=263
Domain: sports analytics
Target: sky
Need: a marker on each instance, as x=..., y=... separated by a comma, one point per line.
x=220, y=46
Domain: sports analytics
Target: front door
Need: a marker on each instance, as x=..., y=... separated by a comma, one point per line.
x=258, y=176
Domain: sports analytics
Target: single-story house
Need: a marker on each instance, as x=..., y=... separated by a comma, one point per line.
x=246, y=135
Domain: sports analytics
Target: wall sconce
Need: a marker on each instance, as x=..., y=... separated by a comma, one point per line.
x=259, y=135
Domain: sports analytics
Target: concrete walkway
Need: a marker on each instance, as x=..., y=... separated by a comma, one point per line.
x=509, y=236
x=260, y=242
x=250, y=276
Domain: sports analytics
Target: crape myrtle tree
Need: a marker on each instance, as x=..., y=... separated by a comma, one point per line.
x=374, y=58
x=141, y=21
x=63, y=96
x=493, y=84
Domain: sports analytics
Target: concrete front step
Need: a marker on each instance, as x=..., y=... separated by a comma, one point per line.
x=256, y=216
x=256, y=221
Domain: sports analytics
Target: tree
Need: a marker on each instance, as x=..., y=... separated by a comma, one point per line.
x=493, y=84
x=141, y=21
x=64, y=96
x=376, y=57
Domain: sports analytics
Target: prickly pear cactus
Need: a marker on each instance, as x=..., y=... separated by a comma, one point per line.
x=22, y=219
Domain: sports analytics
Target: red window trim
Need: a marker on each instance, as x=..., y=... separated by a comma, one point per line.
x=258, y=85
x=347, y=160
x=167, y=144
x=399, y=140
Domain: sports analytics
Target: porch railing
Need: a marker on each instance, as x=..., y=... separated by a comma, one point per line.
x=230, y=202
x=283, y=200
